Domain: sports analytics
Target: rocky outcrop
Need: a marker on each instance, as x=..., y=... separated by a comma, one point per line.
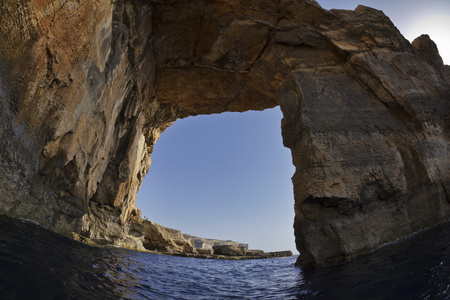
x=428, y=50
x=87, y=87
x=230, y=250
x=203, y=243
x=77, y=117
x=211, y=248
x=206, y=252
x=244, y=252
x=166, y=240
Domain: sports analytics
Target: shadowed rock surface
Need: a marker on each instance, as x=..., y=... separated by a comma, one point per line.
x=230, y=250
x=87, y=87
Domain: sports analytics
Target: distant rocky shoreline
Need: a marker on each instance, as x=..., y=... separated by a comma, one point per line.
x=274, y=254
x=171, y=241
x=154, y=238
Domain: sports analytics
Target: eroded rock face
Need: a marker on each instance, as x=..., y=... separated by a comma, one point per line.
x=165, y=239
x=87, y=87
x=230, y=250
x=204, y=243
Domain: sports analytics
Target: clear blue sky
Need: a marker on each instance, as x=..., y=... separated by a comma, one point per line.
x=228, y=176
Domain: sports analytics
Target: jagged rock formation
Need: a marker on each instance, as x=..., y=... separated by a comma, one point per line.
x=87, y=87
x=166, y=240
x=428, y=50
x=243, y=251
x=203, y=243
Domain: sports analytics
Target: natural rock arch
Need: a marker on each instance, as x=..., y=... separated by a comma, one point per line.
x=87, y=88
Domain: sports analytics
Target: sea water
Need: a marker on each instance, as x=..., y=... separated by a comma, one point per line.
x=36, y=263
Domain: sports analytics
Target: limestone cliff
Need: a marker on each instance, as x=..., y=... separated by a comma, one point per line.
x=87, y=87
x=204, y=243
x=166, y=239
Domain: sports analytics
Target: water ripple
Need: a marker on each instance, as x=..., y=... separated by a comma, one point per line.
x=38, y=264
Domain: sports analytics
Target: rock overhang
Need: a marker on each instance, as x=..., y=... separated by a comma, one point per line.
x=365, y=114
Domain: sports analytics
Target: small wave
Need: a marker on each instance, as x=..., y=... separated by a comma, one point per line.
x=24, y=220
x=52, y=266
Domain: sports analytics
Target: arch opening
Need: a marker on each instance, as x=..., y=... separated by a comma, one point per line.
x=224, y=176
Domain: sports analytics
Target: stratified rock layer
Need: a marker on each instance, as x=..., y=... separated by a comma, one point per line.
x=87, y=87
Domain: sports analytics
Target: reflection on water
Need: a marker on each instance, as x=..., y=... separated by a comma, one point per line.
x=38, y=264
x=414, y=268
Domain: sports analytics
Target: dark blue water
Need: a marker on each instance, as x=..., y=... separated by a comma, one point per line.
x=38, y=264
